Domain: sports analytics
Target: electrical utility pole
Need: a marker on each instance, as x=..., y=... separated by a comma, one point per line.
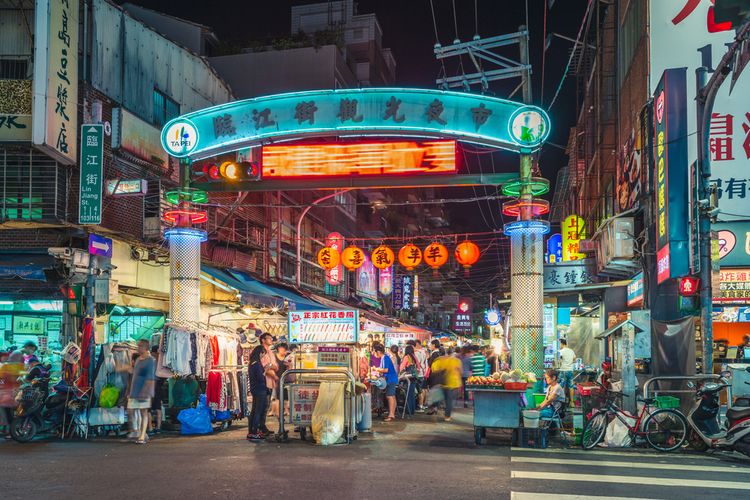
x=706, y=94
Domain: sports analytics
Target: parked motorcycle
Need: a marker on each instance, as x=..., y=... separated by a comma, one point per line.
x=38, y=411
x=706, y=431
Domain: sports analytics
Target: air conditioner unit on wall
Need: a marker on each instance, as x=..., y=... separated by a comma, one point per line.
x=615, y=247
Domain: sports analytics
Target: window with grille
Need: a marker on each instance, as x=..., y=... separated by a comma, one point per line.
x=31, y=186
x=165, y=108
x=14, y=69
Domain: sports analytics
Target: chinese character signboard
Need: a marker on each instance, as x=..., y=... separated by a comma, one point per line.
x=670, y=179
x=92, y=157
x=462, y=323
x=734, y=287
x=684, y=34
x=28, y=326
x=302, y=400
x=55, y=103
x=336, y=275
x=369, y=111
x=15, y=128
x=568, y=275
x=554, y=248
x=311, y=327
x=333, y=357
x=403, y=292
x=629, y=172
x=635, y=291
x=573, y=231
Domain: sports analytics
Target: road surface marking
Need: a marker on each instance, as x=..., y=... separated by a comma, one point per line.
x=638, y=480
x=642, y=465
x=655, y=454
x=517, y=495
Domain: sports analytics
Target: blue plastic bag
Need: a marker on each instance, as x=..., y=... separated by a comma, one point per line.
x=221, y=416
x=196, y=420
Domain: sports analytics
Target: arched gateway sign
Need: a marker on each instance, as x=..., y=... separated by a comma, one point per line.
x=483, y=120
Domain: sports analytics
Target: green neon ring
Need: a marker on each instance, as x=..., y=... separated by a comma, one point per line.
x=537, y=187
x=192, y=195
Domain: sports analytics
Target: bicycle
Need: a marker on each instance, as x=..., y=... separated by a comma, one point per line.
x=664, y=429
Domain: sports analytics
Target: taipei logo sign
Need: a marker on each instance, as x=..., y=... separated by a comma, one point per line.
x=180, y=138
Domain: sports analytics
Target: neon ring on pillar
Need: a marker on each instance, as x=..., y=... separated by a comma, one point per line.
x=192, y=216
x=515, y=207
x=527, y=226
x=192, y=195
x=186, y=232
x=537, y=186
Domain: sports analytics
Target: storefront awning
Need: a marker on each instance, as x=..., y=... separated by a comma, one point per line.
x=381, y=322
x=610, y=331
x=261, y=289
x=251, y=291
x=25, y=266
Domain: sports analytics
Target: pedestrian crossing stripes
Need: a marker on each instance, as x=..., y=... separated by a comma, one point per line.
x=568, y=474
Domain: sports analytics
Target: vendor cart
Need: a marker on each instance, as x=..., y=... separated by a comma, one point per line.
x=495, y=408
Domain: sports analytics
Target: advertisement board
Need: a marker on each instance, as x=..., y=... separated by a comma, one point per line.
x=573, y=231
x=302, y=400
x=635, y=291
x=684, y=35
x=334, y=357
x=403, y=292
x=733, y=243
x=335, y=276
x=320, y=327
x=734, y=286
x=367, y=280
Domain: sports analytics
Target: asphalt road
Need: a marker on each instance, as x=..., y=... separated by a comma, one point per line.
x=421, y=458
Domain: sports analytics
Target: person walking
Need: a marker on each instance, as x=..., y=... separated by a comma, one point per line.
x=259, y=391
x=447, y=369
x=156, y=401
x=142, y=389
x=270, y=365
x=408, y=369
x=388, y=371
x=465, y=371
x=567, y=362
x=423, y=369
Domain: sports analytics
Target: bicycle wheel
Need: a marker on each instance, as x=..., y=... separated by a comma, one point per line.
x=594, y=430
x=665, y=430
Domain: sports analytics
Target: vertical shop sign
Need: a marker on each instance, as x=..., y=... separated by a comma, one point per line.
x=92, y=158
x=385, y=281
x=554, y=248
x=415, y=292
x=403, y=293
x=573, y=231
x=670, y=179
x=335, y=276
x=367, y=280
x=55, y=103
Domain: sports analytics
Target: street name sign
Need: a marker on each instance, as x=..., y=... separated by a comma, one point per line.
x=92, y=160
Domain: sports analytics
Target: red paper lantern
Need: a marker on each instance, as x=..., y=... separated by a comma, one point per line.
x=435, y=256
x=352, y=257
x=467, y=254
x=382, y=257
x=410, y=256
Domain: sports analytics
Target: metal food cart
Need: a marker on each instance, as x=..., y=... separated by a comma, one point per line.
x=495, y=408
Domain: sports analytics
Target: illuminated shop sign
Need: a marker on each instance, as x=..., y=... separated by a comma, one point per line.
x=573, y=231
x=378, y=158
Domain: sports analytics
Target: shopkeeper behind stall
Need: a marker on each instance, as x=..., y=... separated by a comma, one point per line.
x=555, y=398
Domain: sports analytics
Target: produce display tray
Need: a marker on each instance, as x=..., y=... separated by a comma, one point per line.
x=491, y=388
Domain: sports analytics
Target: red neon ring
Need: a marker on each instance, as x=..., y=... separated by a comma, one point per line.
x=194, y=216
x=538, y=207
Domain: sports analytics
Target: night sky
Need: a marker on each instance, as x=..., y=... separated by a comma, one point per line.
x=408, y=30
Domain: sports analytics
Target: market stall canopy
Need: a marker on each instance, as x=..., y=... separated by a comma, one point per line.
x=610, y=331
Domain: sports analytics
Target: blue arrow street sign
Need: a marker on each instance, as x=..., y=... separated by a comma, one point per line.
x=99, y=245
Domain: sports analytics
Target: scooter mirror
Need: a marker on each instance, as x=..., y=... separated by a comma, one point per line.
x=690, y=385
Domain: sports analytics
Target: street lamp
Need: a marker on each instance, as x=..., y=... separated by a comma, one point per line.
x=299, y=231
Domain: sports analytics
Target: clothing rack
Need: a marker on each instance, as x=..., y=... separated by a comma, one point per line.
x=211, y=329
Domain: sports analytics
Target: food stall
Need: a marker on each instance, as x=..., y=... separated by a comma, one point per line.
x=498, y=400
x=323, y=376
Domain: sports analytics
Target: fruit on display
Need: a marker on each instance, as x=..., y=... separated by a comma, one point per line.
x=485, y=381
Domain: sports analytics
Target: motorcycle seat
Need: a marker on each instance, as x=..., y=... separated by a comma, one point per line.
x=734, y=414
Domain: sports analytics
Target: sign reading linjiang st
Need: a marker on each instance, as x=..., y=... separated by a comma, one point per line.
x=357, y=112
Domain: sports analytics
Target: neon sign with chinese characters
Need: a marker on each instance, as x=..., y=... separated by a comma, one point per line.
x=343, y=113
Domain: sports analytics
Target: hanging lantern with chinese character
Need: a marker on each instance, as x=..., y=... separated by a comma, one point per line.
x=410, y=256
x=382, y=257
x=328, y=258
x=467, y=254
x=352, y=257
x=435, y=255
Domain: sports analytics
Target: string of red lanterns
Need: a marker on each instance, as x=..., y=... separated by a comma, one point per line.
x=410, y=256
